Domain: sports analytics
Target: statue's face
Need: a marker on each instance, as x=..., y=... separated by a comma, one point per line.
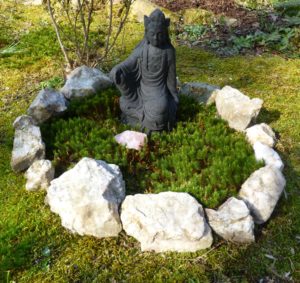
x=156, y=35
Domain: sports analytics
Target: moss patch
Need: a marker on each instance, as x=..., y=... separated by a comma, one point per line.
x=202, y=156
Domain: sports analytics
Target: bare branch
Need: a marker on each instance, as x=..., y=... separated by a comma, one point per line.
x=69, y=65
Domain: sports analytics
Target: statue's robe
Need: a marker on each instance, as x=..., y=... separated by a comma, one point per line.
x=148, y=86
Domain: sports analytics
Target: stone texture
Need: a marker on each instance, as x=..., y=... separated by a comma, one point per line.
x=131, y=139
x=84, y=81
x=39, y=175
x=28, y=145
x=268, y=155
x=232, y=221
x=48, y=103
x=202, y=92
x=261, y=192
x=87, y=198
x=166, y=221
x=236, y=108
x=139, y=8
x=34, y=2
x=261, y=133
x=196, y=16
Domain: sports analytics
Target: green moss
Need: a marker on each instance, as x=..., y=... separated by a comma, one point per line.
x=197, y=16
x=202, y=156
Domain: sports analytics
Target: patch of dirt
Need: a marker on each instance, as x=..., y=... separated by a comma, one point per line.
x=227, y=8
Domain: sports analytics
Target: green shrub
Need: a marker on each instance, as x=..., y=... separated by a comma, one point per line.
x=202, y=156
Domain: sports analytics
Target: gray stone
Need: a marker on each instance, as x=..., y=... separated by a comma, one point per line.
x=28, y=145
x=48, y=103
x=87, y=198
x=236, y=108
x=261, y=192
x=268, y=155
x=202, y=92
x=232, y=221
x=85, y=81
x=166, y=221
x=261, y=133
x=39, y=175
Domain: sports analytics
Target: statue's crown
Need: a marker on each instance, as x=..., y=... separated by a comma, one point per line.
x=158, y=17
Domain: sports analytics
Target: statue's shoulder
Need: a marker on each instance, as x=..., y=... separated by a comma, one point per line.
x=138, y=49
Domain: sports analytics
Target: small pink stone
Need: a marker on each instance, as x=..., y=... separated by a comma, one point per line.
x=131, y=139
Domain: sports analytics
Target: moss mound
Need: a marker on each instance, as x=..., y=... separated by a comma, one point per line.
x=202, y=156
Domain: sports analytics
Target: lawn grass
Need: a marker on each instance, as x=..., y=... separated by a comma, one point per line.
x=35, y=248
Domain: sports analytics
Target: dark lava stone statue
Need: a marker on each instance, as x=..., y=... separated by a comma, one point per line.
x=147, y=79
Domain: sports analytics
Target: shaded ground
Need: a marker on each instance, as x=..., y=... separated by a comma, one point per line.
x=238, y=30
x=227, y=8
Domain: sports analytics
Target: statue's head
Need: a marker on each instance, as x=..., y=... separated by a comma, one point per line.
x=156, y=28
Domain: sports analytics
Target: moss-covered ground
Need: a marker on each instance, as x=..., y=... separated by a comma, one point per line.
x=35, y=248
x=201, y=156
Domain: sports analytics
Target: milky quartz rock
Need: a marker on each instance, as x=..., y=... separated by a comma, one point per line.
x=236, y=108
x=201, y=92
x=85, y=81
x=87, y=198
x=132, y=139
x=232, y=221
x=28, y=145
x=167, y=221
x=48, y=103
x=261, y=192
x=39, y=175
x=261, y=133
x=268, y=155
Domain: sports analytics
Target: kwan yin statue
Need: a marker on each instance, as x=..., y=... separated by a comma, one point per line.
x=147, y=79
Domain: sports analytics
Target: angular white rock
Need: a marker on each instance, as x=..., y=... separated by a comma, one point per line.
x=84, y=81
x=261, y=133
x=268, y=155
x=87, y=198
x=131, y=139
x=202, y=92
x=48, y=103
x=33, y=2
x=261, y=192
x=28, y=145
x=39, y=175
x=167, y=221
x=139, y=8
x=232, y=221
x=236, y=108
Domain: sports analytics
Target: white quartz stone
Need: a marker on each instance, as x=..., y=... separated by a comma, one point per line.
x=261, y=133
x=39, y=175
x=232, y=221
x=261, y=192
x=167, y=221
x=268, y=155
x=28, y=145
x=87, y=198
x=236, y=108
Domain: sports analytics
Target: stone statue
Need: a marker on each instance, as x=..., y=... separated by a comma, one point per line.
x=147, y=79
